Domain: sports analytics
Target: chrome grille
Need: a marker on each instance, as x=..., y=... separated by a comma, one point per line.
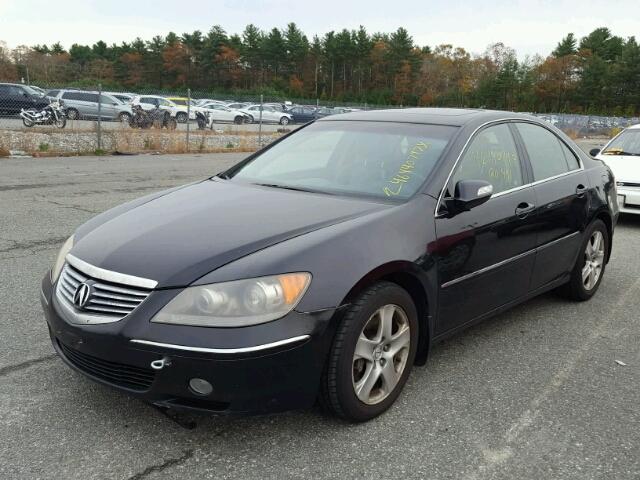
x=109, y=299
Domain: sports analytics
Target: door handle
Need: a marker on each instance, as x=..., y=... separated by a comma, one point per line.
x=581, y=190
x=523, y=209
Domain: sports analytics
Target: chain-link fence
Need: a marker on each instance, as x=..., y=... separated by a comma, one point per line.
x=59, y=120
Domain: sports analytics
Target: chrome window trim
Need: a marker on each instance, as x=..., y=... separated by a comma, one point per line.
x=515, y=189
x=504, y=262
x=108, y=275
x=227, y=351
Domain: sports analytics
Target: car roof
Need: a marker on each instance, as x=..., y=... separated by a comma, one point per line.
x=438, y=116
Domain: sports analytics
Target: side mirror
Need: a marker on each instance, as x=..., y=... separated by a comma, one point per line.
x=594, y=151
x=469, y=194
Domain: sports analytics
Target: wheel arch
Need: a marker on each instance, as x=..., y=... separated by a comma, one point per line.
x=409, y=277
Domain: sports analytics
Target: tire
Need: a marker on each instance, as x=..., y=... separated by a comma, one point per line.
x=124, y=117
x=346, y=372
x=251, y=119
x=28, y=123
x=61, y=122
x=201, y=124
x=284, y=121
x=578, y=288
x=238, y=120
x=181, y=117
x=172, y=124
x=73, y=114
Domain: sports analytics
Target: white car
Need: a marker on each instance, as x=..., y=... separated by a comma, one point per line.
x=222, y=113
x=622, y=155
x=269, y=114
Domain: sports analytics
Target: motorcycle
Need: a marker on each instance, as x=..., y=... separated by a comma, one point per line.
x=156, y=118
x=203, y=119
x=52, y=114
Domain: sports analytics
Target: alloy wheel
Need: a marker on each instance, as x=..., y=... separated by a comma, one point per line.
x=593, y=260
x=381, y=354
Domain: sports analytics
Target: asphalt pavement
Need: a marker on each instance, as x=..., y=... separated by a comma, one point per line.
x=533, y=393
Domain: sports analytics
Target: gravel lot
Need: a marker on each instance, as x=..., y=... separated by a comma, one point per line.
x=533, y=393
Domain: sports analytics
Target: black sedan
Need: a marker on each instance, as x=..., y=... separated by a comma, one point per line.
x=327, y=264
x=15, y=97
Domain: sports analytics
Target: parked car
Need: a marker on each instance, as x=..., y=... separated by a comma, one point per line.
x=14, y=97
x=79, y=104
x=301, y=114
x=222, y=113
x=269, y=114
x=328, y=263
x=149, y=102
x=622, y=155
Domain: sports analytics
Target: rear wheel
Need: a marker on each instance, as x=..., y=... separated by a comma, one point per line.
x=124, y=117
x=238, y=120
x=372, y=353
x=588, y=271
x=284, y=121
x=181, y=117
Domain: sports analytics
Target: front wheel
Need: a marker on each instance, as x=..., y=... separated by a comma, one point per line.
x=239, y=120
x=181, y=117
x=73, y=114
x=284, y=121
x=372, y=353
x=60, y=122
x=588, y=270
x=125, y=117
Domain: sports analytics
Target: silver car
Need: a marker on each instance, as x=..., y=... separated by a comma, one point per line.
x=80, y=104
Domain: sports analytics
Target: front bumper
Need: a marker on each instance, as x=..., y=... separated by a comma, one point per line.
x=264, y=368
x=629, y=199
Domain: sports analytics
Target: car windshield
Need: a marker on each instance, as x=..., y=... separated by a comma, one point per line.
x=627, y=143
x=379, y=159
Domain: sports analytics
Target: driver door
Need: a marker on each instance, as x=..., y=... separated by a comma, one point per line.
x=485, y=256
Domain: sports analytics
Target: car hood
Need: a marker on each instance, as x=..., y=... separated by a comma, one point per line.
x=178, y=237
x=625, y=168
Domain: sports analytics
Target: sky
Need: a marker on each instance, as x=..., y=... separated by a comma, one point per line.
x=529, y=27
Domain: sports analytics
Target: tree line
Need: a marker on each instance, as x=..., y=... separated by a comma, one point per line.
x=597, y=74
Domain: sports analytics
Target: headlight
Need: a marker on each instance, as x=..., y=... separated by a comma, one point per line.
x=59, y=263
x=236, y=304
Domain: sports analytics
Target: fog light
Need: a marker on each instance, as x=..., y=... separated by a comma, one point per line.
x=200, y=386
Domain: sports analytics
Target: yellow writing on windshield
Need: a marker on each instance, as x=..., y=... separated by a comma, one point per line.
x=406, y=170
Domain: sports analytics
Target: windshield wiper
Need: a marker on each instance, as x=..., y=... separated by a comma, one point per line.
x=616, y=151
x=288, y=187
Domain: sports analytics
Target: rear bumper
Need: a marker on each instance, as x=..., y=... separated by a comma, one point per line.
x=259, y=377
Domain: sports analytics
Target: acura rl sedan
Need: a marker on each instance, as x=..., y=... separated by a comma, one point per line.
x=326, y=265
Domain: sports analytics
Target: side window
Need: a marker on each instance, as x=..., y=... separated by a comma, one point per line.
x=545, y=151
x=69, y=96
x=569, y=156
x=147, y=100
x=492, y=156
